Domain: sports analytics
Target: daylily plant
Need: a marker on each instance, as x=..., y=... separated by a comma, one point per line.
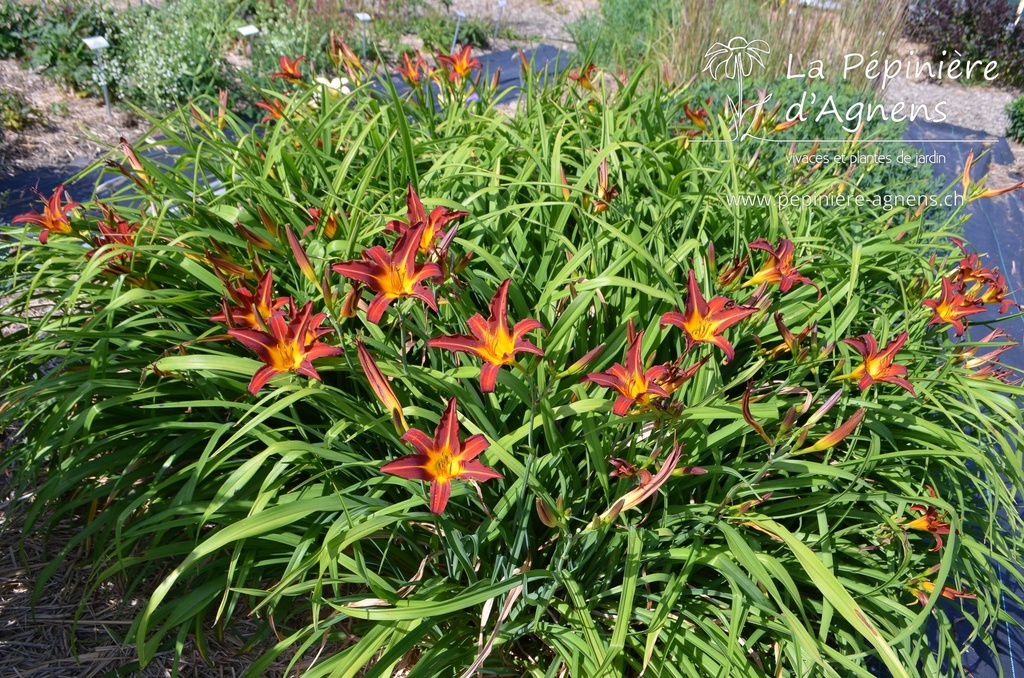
x=287, y=346
x=54, y=218
x=393, y=275
x=704, y=321
x=442, y=459
x=491, y=341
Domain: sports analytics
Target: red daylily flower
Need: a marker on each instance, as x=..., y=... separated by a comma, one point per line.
x=994, y=293
x=251, y=311
x=698, y=116
x=273, y=109
x=778, y=269
x=491, y=340
x=581, y=76
x=118, y=235
x=634, y=385
x=432, y=223
x=971, y=270
x=54, y=218
x=926, y=587
x=704, y=321
x=952, y=307
x=412, y=72
x=674, y=376
x=289, y=70
x=922, y=588
x=287, y=346
x=442, y=459
x=878, y=366
x=929, y=521
x=393, y=275
x=330, y=222
x=458, y=64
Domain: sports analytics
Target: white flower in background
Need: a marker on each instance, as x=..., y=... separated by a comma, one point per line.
x=335, y=88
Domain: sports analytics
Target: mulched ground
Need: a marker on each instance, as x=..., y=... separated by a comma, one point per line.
x=46, y=641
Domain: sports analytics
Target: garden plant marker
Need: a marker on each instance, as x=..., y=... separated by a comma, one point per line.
x=364, y=19
x=458, y=24
x=497, y=21
x=247, y=32
x=98, y=43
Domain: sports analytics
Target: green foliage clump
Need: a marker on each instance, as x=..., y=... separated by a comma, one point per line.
x=625, y=30
x=777, y=513
x=57, y=47
x=1015, y=111
x=437, y=30
x=288, y=29
x=15, y=112
x=169, y=55
x=16, y=22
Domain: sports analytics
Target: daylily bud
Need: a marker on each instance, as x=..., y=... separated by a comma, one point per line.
x=462, y=262
x=787, y=421
x=350, y=304
x=268, y=223
x=545, y=514
x=381, y=387
x=578, y=366
x=838, y=435
x=754, y=424
x=256, y=240
x=823, y=410
x=300, y=256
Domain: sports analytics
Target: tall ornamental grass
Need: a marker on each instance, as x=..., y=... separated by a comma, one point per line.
x=432, y=389
x=674, y=36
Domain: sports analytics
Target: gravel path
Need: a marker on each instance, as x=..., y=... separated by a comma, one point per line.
x=977, y=108
x=536, y=21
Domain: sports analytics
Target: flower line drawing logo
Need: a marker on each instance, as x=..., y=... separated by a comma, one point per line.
x=737, y=58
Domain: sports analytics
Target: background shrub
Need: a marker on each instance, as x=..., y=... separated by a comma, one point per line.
x=976, y=29
x=169, y=55
x=437, y=30
x=674, y=37
x=16, y=23
x=57, y=47
x=15, y=112
x=1015, y=111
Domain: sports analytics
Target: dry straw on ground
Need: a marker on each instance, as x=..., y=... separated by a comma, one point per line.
x=44, y=640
